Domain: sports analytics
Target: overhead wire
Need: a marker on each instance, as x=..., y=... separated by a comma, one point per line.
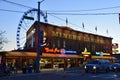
x=63, y=10
x=11, y=11
x=16, y=4
x=83, y=13
x=55, y=12
x=64, y=13
x=114, y=7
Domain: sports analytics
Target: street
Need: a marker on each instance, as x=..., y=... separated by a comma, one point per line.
x=63, y=75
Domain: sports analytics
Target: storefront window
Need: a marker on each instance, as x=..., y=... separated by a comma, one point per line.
x=71, y=63
x=59, y=62
x=45, y=63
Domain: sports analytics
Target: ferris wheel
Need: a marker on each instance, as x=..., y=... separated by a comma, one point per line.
x=27, y=20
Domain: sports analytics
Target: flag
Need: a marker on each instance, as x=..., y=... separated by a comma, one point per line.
x=66, y=21
x=83, y=25
x=96, y=28
x=46, y=14
x=119, y=17
x=107, y=31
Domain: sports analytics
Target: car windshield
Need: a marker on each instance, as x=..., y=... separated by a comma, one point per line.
x=93, y=62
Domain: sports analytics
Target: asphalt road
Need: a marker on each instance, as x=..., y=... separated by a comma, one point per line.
x=63, y=75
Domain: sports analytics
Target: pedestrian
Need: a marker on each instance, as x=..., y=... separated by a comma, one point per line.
x=34, y=65
x=12, y=67
x=16, y=66
x=24, y=68
x=8, y=69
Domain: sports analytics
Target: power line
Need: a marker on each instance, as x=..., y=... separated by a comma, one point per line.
x=97, y=9
x=114, y=7
x=83, y=13
x=64, y=13
x=11, y=11
x=16, y=4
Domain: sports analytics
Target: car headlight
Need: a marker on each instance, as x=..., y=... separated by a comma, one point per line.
x=114, y=67
x=94, y=67
x=85, y=67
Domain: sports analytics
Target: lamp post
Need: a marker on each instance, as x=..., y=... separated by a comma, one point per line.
x=38, y=50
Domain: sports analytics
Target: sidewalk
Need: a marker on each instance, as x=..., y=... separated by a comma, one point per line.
x=44, y=72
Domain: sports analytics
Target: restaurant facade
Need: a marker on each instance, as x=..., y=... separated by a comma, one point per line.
x=66, y=46
x=62, y=46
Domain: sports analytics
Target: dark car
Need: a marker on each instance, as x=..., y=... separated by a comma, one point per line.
x=115, y=67
x=97, y=66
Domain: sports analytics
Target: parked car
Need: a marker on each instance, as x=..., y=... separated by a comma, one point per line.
x=115, y=67
x=96, y=66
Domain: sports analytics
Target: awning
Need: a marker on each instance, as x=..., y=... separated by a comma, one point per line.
x=33, y=54
x=103, y=57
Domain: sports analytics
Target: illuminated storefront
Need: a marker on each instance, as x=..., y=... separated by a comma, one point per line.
x=61, y=45
x=63, y=40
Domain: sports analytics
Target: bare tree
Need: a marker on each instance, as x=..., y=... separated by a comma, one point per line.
x=3, y=39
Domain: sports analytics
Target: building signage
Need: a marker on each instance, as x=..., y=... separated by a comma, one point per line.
x=62, y=51
x=77, y=37
x=86, y=52
x=56, y=50
x=99, y=53
x=53, y=50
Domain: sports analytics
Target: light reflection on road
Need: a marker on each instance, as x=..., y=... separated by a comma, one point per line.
x=106, y=76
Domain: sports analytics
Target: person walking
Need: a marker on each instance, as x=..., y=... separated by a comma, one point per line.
x=16, y=64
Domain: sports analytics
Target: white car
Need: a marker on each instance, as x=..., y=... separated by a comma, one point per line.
x=115, y=67
x=97, y=66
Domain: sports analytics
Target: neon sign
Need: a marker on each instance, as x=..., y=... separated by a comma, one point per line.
x=56, y=50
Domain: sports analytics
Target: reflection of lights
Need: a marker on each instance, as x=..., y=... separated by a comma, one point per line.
x=86, y=55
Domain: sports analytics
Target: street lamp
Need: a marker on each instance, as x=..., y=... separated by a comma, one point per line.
x=39, y=53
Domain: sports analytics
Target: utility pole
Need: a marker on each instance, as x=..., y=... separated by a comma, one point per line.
x=38, y=50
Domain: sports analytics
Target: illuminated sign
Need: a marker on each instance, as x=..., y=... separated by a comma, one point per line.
x=106, y=54
x=67, y=51
x=99, y=53
x=86, y=53
x=56, y=50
